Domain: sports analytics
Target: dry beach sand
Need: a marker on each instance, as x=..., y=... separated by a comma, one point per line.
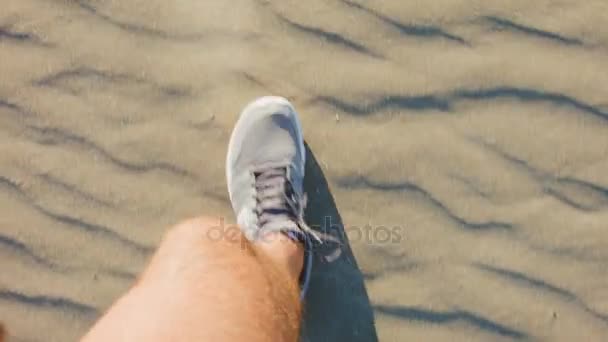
x=479, y=129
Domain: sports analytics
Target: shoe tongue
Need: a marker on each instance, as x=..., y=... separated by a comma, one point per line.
x=279, y=225
x=270, y=172
x=276, y=207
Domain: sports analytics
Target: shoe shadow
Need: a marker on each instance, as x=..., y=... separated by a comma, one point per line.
x=336, y=306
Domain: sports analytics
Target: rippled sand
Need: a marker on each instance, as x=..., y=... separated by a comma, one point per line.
x=477, y=130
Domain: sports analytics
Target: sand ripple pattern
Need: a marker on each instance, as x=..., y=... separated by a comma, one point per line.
x=479, y=130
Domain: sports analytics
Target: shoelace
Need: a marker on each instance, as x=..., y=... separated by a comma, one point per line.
x=280, y=209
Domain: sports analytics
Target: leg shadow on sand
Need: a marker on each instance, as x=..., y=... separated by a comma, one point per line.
x=337, y=307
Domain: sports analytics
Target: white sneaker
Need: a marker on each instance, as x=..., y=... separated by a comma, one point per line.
x=265, y=173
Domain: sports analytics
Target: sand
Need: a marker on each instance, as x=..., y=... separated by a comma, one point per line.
x=463, y=145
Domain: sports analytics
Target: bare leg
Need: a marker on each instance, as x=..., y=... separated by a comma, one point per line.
x=206, y=286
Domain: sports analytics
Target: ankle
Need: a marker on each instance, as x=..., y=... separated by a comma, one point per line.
x=284, y=252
